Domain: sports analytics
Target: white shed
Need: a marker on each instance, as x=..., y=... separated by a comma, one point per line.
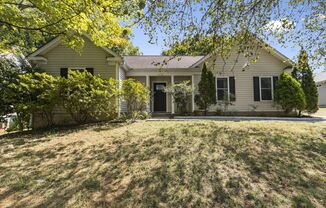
x=320, y=80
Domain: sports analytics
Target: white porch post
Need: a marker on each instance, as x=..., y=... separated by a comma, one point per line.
x=117, y=76
x=193, y=93
x=149, y=87
x=172, y=99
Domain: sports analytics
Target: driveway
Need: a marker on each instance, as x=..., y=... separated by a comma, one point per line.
x=321, y=112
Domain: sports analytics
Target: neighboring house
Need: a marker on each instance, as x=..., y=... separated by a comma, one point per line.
x=252, y=84
x=320, y=80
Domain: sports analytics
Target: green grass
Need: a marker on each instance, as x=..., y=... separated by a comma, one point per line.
x=166, y=164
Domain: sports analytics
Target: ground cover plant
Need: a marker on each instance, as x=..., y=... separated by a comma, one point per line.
x=166, y=164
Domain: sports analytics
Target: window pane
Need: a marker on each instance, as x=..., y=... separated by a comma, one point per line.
x=220, y=94
x=159, y=87
x=266, y=94
x=222, y=82
x=266, y=83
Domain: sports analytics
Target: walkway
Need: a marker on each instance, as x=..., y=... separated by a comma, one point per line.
x=241, y=118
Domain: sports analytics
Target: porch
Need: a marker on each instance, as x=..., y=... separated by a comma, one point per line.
x=161, y=102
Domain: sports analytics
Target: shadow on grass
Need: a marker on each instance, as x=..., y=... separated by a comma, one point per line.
x=41, y=135
x=193, y=165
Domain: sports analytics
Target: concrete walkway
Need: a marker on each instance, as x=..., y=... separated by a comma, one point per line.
x=240, y=118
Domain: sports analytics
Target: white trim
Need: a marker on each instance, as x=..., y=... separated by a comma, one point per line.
x=272, y=88
x=57, y=40
x=172, y=99
x=78, y=68
x=228, y=86
x=274, y=52
x=117, y=76
x=155, y=74
x=148, y=85
x=166, y=84
x=193, y=92
x=44, y=48
x=38, y=58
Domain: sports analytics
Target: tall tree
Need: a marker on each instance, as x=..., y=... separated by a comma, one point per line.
x=304, y=75
x=294, y=22
x=106, y=21
x=206, y=89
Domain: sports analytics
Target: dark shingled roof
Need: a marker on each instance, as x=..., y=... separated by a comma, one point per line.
x=157, y=62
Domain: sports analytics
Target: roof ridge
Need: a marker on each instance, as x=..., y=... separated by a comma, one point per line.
x=160, y=56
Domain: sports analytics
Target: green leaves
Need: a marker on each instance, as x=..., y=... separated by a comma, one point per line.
x=206, y=89
x=88, y=98
x=292, y=23
x=181, y=93
x=42, y=19
x=289, y=94
x=135, y=94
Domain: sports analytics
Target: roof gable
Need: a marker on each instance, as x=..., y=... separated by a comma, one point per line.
x=55, y=42
x=269, y=49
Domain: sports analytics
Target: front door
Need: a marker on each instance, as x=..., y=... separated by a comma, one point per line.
x=159, y=97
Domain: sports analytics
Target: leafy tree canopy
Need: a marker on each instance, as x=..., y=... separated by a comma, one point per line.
x=289, y=94
x=27, y=23
x=108, y=22
x=194, y=46
x=294, y=22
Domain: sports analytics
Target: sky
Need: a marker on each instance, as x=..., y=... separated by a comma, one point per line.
x=141, y=40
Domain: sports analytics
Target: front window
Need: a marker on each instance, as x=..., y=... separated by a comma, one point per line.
x=266, y=88
x=222, y=88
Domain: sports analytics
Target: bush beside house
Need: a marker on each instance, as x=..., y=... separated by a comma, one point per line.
x=207, y=90
x=89, y=98
x=85, y=97
x=135, y=95
x=181, y=94
x=289, y=94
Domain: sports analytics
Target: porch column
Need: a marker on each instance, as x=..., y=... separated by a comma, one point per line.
x=193, y=93
x=172, y=99
x=149, y=87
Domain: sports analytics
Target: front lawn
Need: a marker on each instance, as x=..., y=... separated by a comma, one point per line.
x=166, y=164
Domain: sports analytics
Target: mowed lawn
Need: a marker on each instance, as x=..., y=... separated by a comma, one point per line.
x=166, y=164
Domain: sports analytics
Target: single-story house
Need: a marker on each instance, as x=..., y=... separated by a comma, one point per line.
x=320, y=80
x=252, y=84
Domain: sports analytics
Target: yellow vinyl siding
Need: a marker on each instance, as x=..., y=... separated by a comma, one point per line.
x=91, y=56
x=267, y=65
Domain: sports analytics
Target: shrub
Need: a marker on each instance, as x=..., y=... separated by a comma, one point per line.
x=87, y=97
x=206, y=88
x=31, y=93
x=9, y=72
x=136, y=96
x=289, y=94
x=180, y=93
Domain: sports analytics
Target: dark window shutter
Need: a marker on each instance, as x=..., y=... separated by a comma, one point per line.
x=90, y=70
x=232, y=88
x=215, y=88
x=64, y=72
x=275, y=79
x=256, y=89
